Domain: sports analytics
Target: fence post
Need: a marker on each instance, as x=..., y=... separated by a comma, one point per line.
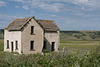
x=63, y=51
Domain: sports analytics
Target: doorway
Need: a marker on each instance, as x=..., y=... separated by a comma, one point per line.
x=44, y=46
x=53, y=46
x=12, y=46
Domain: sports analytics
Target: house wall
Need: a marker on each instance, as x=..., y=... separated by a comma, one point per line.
x=12, y=36
x=52, y=37
x=37, y=37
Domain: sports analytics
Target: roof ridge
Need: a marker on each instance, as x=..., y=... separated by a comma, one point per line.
x=26, y=22
x=44, y=20
x=22, y=18
x=19, y=24
x=13, y=21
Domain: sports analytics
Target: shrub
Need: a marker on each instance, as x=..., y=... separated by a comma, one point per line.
x=54, y=59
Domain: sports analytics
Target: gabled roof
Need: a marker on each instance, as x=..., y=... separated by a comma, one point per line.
x=18, y=24
x=48, y=25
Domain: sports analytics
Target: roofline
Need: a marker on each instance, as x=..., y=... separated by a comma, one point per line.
x=29, y=18
x=44, y=20
x=27, y=21
x=49, y=21
x=22, y=26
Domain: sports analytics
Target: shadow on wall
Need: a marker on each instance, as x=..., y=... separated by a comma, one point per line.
x=47, y=47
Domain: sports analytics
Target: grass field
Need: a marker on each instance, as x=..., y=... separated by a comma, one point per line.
x=76, y=55
x=79, y=44
x=71, y=45
x=1, y=44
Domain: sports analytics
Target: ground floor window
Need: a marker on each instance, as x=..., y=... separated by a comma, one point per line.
x=16, y=45
x=12, y=46
x=7, y=44
x=32, y=45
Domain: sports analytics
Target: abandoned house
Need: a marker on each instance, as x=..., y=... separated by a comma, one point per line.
x=29, y=35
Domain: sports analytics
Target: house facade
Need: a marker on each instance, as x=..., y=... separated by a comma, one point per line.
x=29, y=36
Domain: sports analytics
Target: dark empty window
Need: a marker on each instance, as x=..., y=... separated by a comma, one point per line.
x=32, y=45
x=53, y=46
x=44, y=47
x=32, y=29
x=16, y=44
x=7, y=44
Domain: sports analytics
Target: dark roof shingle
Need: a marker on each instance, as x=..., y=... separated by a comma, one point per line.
x=48, y=25
x=17, y=24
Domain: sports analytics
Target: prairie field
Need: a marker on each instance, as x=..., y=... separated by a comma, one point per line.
x=85, y=45
x=1, y=44
x=77, y=54
x=79, y=44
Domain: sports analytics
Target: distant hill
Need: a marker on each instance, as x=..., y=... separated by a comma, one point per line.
x=1, y=33
x=79, y=35
x=72, y=35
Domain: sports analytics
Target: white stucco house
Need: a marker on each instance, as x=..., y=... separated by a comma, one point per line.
x=29, y=36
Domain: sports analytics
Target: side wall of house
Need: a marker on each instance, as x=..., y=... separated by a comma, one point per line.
x=12, y=36
x=37, y=37
x=52, y=37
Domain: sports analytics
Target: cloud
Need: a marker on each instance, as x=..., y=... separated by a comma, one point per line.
x=5, y=22
x=17, y=6
x=60, y=5
x=22, y=1
x=48, y=6
x=25, y=7
x=68, y=14
x=2, y=3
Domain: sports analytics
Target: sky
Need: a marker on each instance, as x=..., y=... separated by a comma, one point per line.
x=68, y=14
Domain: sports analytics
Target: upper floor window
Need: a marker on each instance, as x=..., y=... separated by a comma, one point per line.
x=7, y=44
x=32, y=29
x=16, y=45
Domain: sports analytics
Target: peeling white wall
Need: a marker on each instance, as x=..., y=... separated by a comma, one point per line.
x=12, y=36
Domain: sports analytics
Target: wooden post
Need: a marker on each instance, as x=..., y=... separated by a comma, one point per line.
x=63, y=51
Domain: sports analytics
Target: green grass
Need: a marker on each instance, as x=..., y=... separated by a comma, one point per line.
x=54, y=59
x=78, y=46
x=1, y=44
x=81, y=42
x=74, y=56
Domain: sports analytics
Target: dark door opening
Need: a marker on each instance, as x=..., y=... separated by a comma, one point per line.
x=53, y=46
x=12, y=46
x=44, y=46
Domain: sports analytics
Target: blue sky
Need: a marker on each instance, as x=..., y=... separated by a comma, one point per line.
x=67, y=14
